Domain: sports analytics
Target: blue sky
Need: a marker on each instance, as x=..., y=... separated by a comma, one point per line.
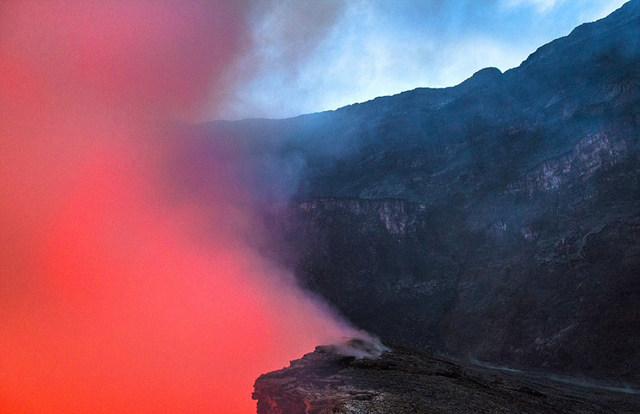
x=321, y=55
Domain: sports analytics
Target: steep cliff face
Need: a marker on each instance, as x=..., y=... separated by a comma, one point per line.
x=377, y=256
x=543, y=290
x=497, y=220
x=403, y=381
x=594, y=153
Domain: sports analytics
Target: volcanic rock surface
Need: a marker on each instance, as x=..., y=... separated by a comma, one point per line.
x=498, y=220
x=403, y=381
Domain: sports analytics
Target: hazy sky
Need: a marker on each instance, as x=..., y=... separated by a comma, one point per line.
x=309, y=56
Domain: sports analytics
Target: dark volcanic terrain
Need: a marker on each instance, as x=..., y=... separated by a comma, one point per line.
x=497, y=220
x=404, y=381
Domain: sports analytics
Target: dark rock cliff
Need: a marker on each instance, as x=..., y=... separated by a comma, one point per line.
x=497, y=220
x=543, y=293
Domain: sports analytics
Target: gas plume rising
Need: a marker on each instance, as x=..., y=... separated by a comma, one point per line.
x=118, y=291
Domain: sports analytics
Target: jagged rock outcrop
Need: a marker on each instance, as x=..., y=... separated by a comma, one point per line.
x=403, y=381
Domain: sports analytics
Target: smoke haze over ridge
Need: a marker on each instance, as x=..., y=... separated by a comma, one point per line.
x=119, y=291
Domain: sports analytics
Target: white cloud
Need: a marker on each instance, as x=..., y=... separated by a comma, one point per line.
x=541, y=6
x=377, y=48
x=601, y=9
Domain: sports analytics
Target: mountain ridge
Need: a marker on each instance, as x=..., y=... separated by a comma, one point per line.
x=518, y=196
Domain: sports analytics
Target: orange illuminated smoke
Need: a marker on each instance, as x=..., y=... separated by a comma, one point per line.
x=112, y=298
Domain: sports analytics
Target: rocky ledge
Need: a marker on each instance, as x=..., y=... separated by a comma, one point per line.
x=332, y=380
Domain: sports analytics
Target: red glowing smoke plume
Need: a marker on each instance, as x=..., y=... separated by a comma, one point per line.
x=116, y=294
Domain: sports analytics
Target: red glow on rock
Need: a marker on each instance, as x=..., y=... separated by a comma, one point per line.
x=112, y=299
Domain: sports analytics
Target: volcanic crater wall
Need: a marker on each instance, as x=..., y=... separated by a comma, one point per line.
x=497, y=220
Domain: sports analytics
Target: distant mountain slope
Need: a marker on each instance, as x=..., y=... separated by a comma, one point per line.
x=497, y=220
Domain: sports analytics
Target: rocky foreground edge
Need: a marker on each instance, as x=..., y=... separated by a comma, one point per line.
x=332, y=380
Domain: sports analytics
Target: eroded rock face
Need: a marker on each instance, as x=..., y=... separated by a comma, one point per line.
x=403, y=381
x=554, y=288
